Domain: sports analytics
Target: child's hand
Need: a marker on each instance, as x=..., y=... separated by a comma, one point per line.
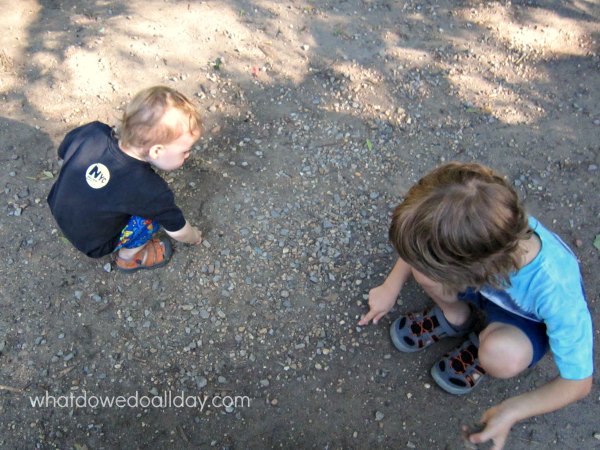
x=196, y=237
x=498, y=421
x=188, y=234
x=381, y=300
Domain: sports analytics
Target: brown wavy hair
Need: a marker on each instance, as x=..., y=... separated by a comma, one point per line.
x=460, y=225
x=141, y=124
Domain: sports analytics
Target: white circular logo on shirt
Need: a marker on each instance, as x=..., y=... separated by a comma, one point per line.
x=97, y=176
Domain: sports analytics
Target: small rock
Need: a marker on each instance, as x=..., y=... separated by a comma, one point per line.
x=107, y=267
x=597, y=436
x=305, y=47
x=592, y=167
x=379, y=416
x=264, y=383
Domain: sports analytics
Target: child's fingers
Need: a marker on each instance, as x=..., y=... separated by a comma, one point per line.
x=378, y=317
x=373, y=315
x=367, y=318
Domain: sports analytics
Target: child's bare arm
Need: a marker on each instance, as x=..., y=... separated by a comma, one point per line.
x=557, y=394
x=188, y=234
x=383, y=297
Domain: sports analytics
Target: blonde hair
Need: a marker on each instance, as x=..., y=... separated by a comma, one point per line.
x=460, y=225
x=141, y=124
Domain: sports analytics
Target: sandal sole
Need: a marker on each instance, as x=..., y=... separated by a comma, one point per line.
x=442, y=383
x=441, y=378
x=397, y=339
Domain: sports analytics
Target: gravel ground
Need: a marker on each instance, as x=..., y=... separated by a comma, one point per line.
x=319, y=116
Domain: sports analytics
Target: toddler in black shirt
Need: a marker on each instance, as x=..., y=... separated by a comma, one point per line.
x=108, y=198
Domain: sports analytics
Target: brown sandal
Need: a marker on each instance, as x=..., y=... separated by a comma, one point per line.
x=157, y=253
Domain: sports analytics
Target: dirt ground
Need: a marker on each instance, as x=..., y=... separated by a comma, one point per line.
x=319, y=115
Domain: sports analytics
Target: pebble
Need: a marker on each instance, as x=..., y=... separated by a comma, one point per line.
x=379, y=416
x=107, y=267
x=597, y=436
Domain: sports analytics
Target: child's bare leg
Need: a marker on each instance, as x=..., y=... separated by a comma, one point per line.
x=129, y=253
x=504, y=350
x=455, y=311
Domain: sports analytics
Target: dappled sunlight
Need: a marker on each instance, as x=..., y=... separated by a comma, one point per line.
x=318, y=117
x=489, y=97
x=14, y=22
x=543, y=36
x=508, y=54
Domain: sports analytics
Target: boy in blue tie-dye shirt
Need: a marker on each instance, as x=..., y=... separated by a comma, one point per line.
x=463, y=235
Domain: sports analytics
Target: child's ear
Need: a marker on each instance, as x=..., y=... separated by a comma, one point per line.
x=155, y=151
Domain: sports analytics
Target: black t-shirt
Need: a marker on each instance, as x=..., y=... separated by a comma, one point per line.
x=100, y=187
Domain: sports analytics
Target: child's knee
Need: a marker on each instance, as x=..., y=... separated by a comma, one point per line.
x=504, y=351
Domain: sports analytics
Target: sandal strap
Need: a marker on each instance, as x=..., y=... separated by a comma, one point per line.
x=156, y=253
x=432, y=325
x=448, y=329
x=416, y=331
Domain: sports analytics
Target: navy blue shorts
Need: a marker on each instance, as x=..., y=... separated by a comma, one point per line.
x=535, y=331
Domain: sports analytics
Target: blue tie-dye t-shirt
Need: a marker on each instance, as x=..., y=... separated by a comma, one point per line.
x=549, y=289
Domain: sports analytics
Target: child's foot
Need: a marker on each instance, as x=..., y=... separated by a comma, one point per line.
x=156, y=253
x=458, y=372
x=416, y=331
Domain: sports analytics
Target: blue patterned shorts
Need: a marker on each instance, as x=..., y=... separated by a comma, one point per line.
x=137, y=232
